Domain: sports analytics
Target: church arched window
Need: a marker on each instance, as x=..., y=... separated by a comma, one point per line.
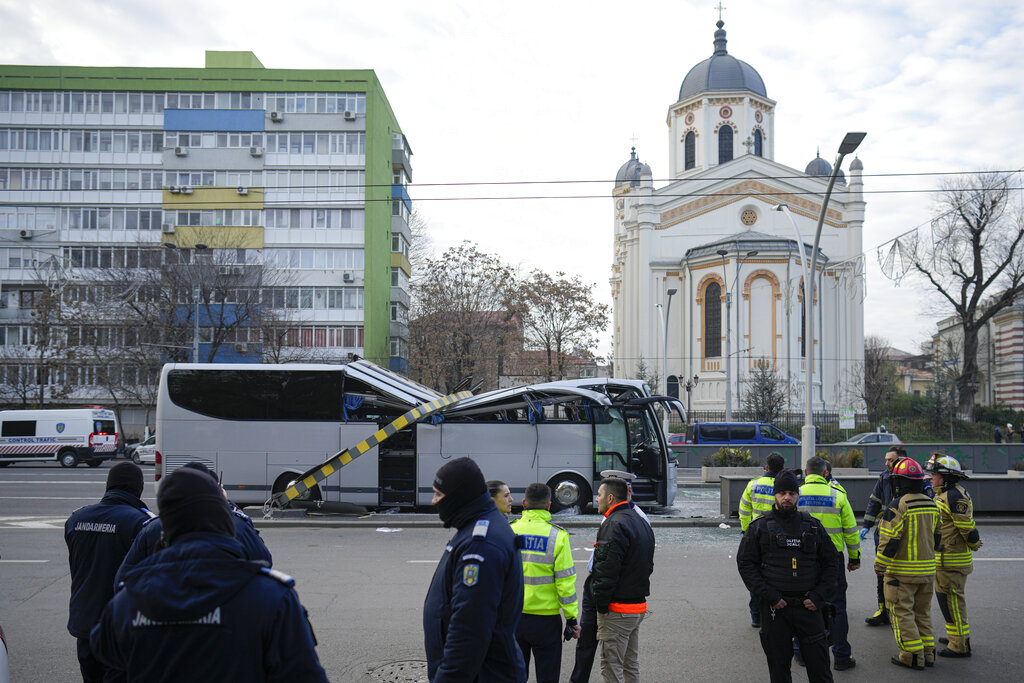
x=690, y=151
x=758, y=144
x=713, y=320
x=673, y=386
x=724, y=144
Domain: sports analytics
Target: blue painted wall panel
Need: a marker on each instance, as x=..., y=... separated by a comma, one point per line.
x=231, y=120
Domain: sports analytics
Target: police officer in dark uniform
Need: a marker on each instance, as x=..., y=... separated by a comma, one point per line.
x=476, y=596
x=98, y=536
x=199, y=611
x=790, y=563
x=150, y=539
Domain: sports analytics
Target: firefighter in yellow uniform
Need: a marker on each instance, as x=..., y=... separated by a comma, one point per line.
x=906, y=561
x=549, y=578
x=757, y=499
x=830, y=506
x=959, y=539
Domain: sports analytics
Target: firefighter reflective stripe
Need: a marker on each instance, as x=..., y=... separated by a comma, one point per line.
x=758, y=498
x=549, y=574
x=314, y=476
x=906, y=537
x=956, y=528
x=832, y=508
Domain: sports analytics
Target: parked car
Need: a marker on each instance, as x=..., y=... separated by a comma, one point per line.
x=870, y=438
x=737, y=433
x=145, y=452
x=677, y=439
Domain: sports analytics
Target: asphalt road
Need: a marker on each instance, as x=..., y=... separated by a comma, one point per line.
x=364, y=588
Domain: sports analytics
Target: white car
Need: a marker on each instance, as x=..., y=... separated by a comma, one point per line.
x=145, y=452
x=871, y=438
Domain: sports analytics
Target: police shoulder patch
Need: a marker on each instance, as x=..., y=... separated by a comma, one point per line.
x=470, y=574
x=241, y=515
x=149, y=519
x=481, y=527
x=280, y=577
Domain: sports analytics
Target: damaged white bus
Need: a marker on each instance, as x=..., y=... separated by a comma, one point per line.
x=260, y=426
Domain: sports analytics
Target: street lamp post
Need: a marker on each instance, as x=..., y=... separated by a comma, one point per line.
x=691, y=383
x=196, y=295
x=664, y=330
x=850, y=143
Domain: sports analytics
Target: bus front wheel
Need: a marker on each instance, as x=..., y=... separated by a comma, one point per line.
x=568, y=490
x=287, y=479
x=68, y=458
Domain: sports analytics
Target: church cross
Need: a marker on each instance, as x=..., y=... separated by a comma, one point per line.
x=633, y=140
x=719, y=7
x=748, y=143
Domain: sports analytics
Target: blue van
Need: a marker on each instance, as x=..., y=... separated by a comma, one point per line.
x=737, y=433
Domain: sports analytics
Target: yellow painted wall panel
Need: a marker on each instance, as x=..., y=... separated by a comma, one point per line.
x=214, y=198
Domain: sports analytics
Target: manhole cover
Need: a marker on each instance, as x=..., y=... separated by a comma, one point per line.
x=412, y=671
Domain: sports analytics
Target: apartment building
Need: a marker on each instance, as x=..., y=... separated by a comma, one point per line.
x=282, y=188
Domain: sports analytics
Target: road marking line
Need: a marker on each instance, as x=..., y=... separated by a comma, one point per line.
x=52, y=481
x=421, y=561
x=999, y=559
x=23, y=561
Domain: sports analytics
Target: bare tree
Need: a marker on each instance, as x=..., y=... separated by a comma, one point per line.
x=563, y=318
x=974, y=260
x=879, y=385
x=421, y=245
x=764, y=398
x=465, y=318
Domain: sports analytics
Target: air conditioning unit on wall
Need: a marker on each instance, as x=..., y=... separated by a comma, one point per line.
x=181, y=151
x=242, y=190
x=168, y=229
x=349, y=115
x=276, y=116
x=185, y=189
x=347, y=277
x=256, y=151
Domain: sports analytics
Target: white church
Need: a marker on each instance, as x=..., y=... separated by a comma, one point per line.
x=713, y=251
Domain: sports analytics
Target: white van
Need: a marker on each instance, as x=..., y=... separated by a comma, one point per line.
x=69, y=436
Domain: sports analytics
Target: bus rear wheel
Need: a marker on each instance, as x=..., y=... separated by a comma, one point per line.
x=568, y=490
x=287, y=479
x=68, y=458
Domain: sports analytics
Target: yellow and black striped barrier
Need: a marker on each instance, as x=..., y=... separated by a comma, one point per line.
x=314, y=476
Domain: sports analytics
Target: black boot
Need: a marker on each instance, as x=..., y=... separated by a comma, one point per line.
x=879, y=618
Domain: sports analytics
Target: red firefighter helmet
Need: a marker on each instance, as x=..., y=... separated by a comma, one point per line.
x=908, y=468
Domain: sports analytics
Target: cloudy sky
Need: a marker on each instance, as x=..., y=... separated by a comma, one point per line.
x=552, y=94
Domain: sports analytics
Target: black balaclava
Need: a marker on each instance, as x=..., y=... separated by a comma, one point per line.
x=189, y=501
x=461, y=482
x=127, y=477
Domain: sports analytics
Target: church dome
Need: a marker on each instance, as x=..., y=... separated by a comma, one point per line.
x=820, y=167
x=856, y=164
x=630, y=171
x=721, y=72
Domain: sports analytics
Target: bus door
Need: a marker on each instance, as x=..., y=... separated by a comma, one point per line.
x=396, y=459
x=611, y=443
x=646, y=458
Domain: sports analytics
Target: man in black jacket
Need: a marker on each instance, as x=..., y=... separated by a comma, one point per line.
x=788, y=561
x=98, y=536
x=623, y=564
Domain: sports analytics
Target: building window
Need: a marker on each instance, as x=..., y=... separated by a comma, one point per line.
x=758, y=144
x=724, y=144
x=690, y=151
x=713, y=320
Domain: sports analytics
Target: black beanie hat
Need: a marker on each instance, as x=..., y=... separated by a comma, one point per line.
x=125, y=476
x=461, y=482
x=786, y=481
x=200, y=467
x=190, y=501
